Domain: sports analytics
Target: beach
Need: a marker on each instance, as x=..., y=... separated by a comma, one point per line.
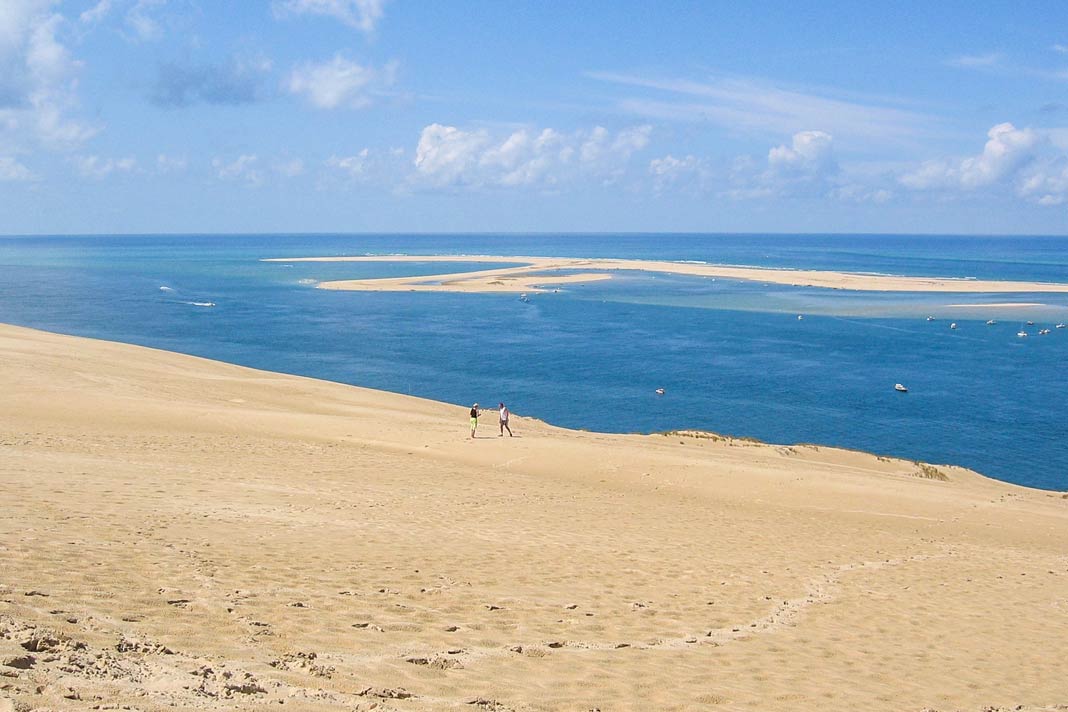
x=530, y=276
x=193, y=534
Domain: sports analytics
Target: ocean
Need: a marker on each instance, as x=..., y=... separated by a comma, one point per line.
x=732, y=356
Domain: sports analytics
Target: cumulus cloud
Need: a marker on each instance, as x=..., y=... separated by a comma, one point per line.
x=239, y=81
x=805, y=167
x=355, y=166
x=448, y=156
x=13, y=171
x=99, y=168
x=170, y=164
x=688, y=173
x=289, y=169
x=339, y=82
x=38, y=79
x=1031, y=162
x=360, y=14
x=243, y=168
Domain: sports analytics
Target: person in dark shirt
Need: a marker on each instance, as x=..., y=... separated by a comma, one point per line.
x=474, y=418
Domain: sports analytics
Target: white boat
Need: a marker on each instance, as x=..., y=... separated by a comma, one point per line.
x=900, y=388
x=1021, y=334
x=953, y=325
x=1060, y=326
x=1043, y=332
x=930, y=318
x=1030, y=323
x=799, y=317
x=660, y=391
x=991, y=322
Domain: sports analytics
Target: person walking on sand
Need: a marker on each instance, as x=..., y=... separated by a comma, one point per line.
x=504, y=420
x=474, y=418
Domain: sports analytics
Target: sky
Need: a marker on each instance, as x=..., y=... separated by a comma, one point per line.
x=198, y=116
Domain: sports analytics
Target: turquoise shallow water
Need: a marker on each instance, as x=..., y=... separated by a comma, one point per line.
x=732, y=356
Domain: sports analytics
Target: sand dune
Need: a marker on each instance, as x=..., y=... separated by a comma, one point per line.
x=530, y=275
x=181, y=533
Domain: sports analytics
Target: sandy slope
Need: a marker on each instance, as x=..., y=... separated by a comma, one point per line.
x=179, y=533
x=529, y=276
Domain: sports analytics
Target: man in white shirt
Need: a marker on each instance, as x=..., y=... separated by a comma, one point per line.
x=504, y=421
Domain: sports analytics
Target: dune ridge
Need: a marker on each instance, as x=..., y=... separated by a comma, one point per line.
x=179, y=532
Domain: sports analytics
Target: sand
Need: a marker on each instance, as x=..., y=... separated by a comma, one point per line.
x=526, y=276
x=178, y=533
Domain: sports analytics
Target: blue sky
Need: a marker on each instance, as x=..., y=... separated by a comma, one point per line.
x=392, y=115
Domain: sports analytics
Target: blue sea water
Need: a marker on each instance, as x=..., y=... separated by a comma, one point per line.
x=732, y=355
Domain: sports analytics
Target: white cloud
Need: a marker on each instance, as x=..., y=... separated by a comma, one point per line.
x=688, y=173
x=38, y=80
x=361, y=14
x=1032, y=162
x=355, y=166
x=99, y=168
x=12, y=171
x=448, y=156
x=339, y=82
x=170, y=164
x=290, y=169
x=753, y=105
x=140, y=19
x=1061, y=48
x=242, y=168
x=96, y=13
x=806, y=167
x=978, y=61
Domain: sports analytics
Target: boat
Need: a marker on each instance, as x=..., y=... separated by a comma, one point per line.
x=1060, y=326
x=660, y=391
x=953, y=325
x=991, y=322
x=1021, y=334
x=799, y=317
x=900, y=388
x=1030, y=323
x=1043, y=332
x=930, y=318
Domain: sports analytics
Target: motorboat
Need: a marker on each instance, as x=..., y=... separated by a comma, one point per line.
x=930, y=318
x=1060, y=326
x=800, y=317
x=991, y=322
x=900, y=388
x=953, y=325
x=1043, y=332
x=1030, y=323
x=1021, y=334
x=660, y=391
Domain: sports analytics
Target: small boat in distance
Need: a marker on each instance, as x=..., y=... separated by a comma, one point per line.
x=799, y=317
x=1043, y=332
x=953, y=325
x=660, y=391
x=930, y=318
x=1060, y=326
x=991, y=322
x=900, y=388
x=1021, y=334
x=1030, y=323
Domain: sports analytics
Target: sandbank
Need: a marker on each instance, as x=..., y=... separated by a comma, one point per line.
x=999, y=305
x=520, y=278
x=180, y=533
